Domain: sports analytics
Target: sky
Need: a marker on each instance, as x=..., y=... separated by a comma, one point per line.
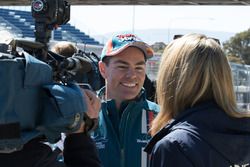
x=100, y=20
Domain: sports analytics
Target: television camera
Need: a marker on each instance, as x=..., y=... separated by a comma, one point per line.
x=39, y=98
x=48, y=15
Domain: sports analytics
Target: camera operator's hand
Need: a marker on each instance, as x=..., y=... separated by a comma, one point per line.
x=93, y=103
x=93, y=107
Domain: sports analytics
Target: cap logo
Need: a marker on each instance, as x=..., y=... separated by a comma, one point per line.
x=127, y=37
x=120, y=42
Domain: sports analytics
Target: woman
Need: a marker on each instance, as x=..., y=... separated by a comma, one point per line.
x=199, y=124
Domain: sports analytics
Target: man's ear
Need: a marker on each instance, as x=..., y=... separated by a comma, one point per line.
x=102, y=69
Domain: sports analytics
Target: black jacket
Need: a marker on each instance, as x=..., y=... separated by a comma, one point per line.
x=203, y=136
x=79, y=151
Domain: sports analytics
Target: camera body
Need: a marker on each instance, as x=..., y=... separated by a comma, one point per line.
x=32, y=103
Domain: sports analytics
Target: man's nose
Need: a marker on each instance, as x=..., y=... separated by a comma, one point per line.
x=131, y=73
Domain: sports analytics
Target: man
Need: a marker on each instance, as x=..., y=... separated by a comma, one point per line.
x=125, y=115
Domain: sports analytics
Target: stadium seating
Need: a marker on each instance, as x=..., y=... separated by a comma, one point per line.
x=22, y=24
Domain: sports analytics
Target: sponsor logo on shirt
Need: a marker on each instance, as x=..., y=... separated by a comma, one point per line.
x=143, y=141
x=101, y=143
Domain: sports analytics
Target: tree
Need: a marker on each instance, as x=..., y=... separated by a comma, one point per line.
x=234, y=59
x=239, y=46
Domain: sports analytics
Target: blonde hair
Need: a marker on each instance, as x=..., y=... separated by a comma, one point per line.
x=193, y=69
x=64, y=48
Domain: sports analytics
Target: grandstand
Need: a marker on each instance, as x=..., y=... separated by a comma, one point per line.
x=22, y=25
x=241, y=75
x=153, y=65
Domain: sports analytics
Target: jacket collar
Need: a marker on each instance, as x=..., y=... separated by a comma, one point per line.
x=102, y=92
x=167, y=129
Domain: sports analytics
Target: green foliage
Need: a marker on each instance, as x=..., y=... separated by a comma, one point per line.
x=235, y=59
x=238, y=46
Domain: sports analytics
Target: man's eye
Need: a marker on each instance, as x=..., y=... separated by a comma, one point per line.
x=139, y=68
x=122, y=67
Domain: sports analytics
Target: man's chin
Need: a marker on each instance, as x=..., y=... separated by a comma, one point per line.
x=129, y=97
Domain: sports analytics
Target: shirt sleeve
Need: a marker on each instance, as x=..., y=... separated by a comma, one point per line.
x=80, y=151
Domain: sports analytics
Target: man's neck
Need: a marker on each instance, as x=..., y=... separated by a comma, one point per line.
x=118, y=104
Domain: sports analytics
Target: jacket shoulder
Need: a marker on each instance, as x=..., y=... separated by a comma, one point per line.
x=152, y=106
x=168, y=152
x=185, y=145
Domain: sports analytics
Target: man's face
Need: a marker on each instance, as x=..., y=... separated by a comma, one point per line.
x=124, y=74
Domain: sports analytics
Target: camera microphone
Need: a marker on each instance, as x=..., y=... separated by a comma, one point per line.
x=76, y=63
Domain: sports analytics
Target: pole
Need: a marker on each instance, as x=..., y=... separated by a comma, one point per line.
x=133, y=20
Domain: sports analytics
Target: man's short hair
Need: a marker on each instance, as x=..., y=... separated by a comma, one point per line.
x=64, y=48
